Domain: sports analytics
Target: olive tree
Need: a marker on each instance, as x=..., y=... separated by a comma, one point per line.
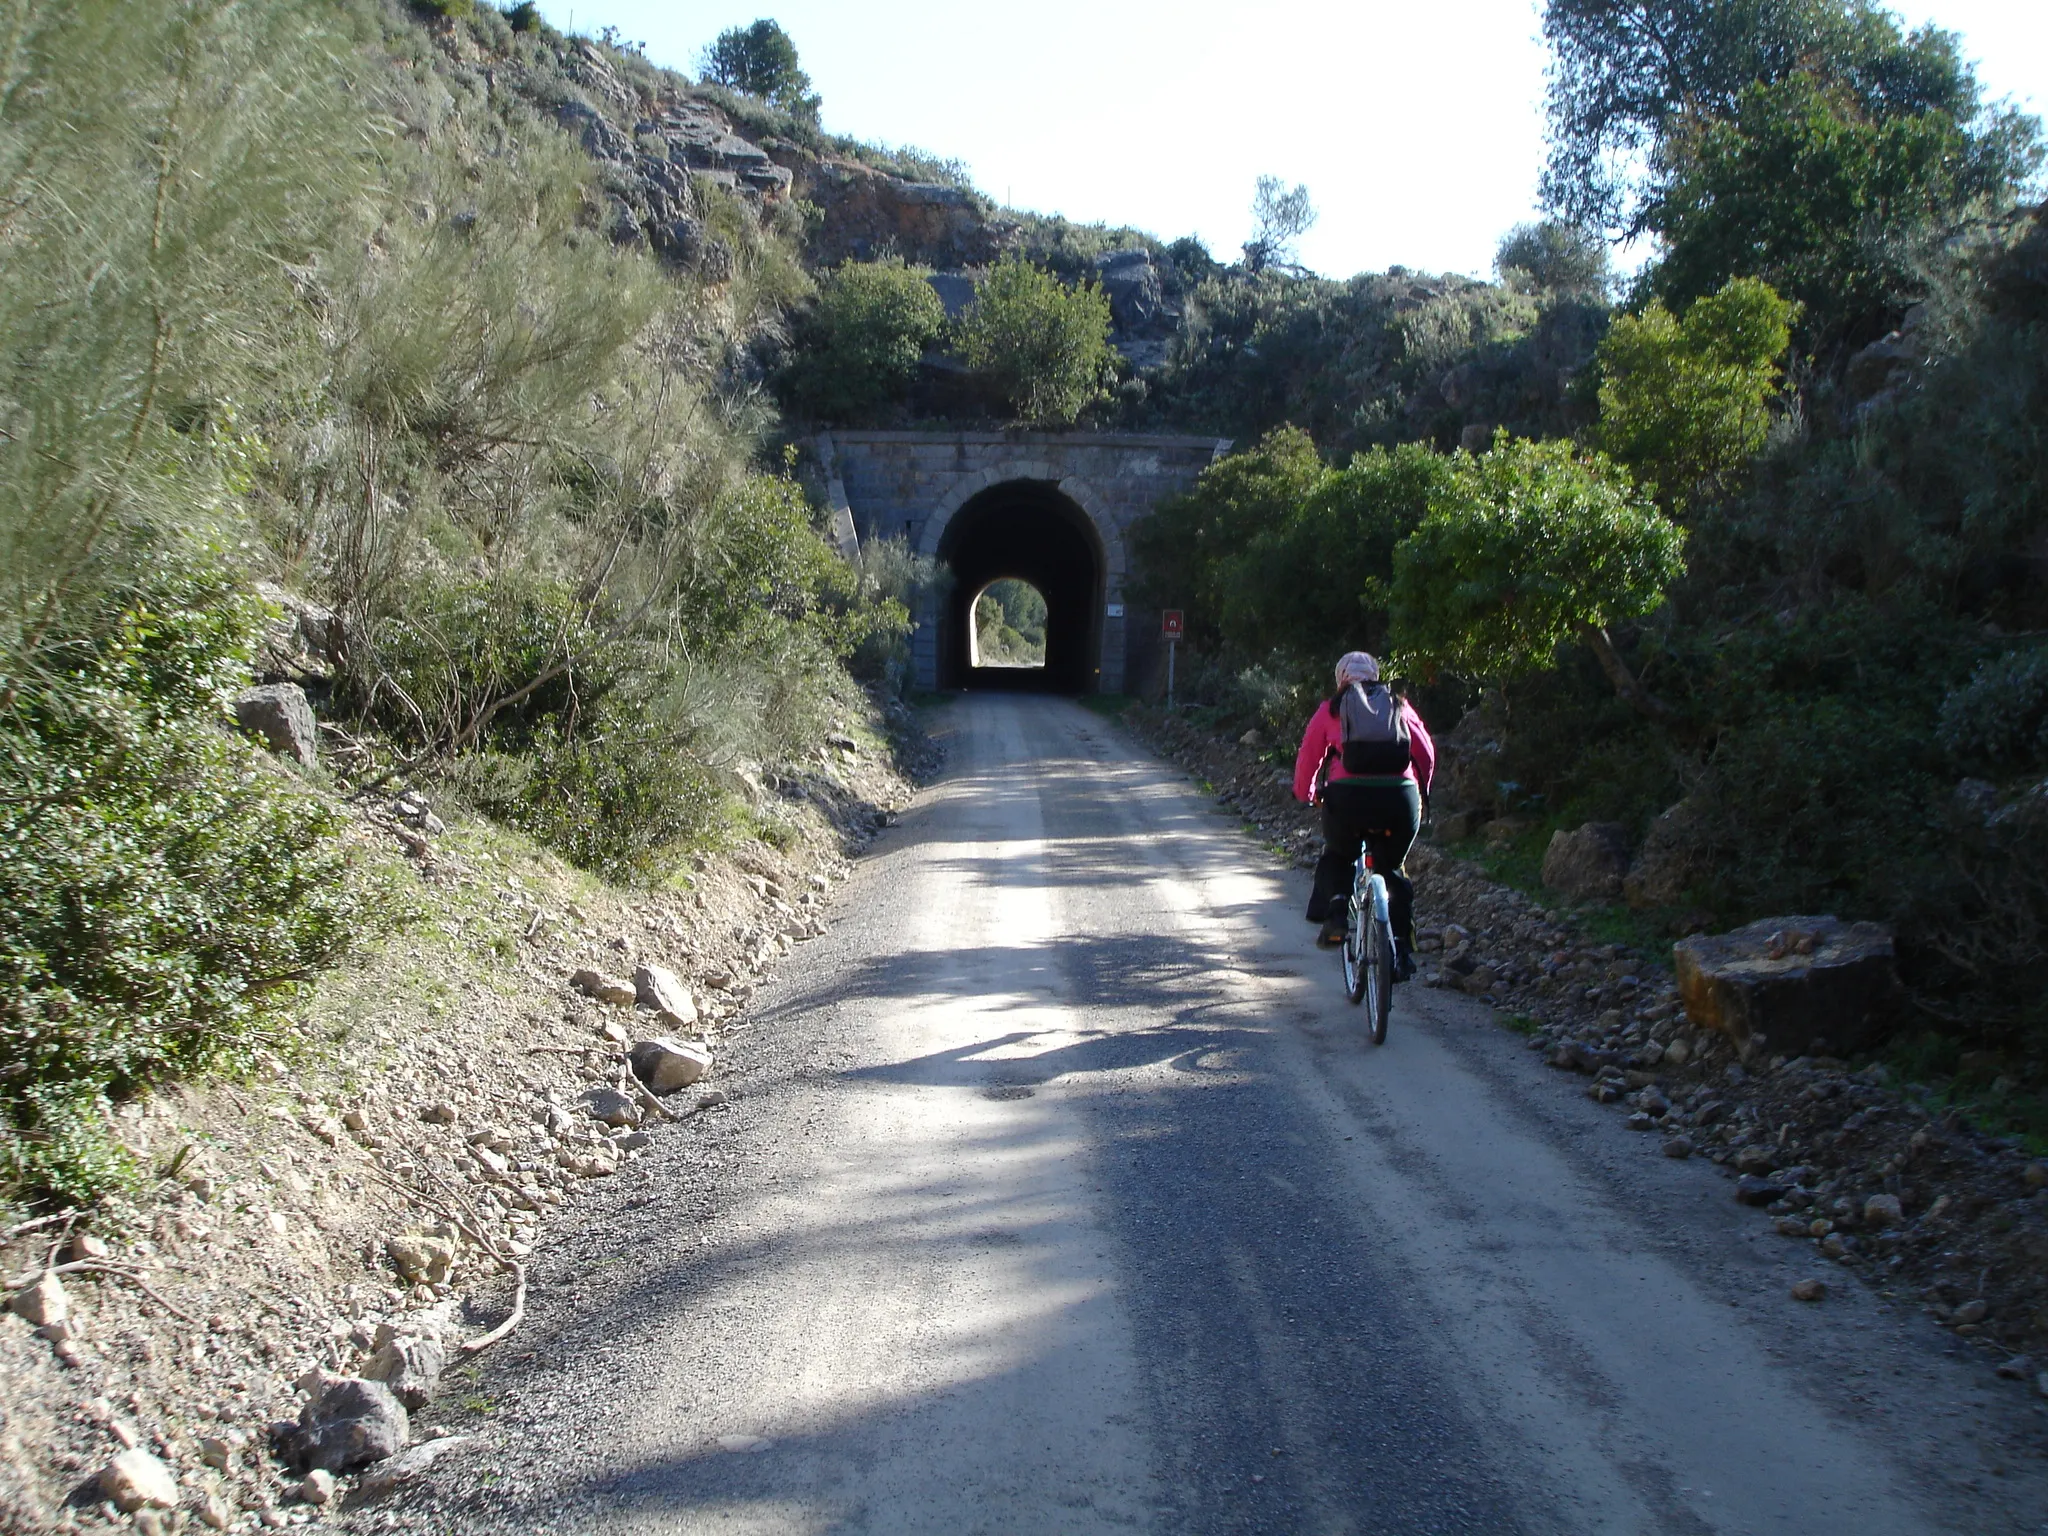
x=1528, y=547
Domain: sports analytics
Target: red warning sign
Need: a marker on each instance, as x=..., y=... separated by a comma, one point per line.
x=1171, y=624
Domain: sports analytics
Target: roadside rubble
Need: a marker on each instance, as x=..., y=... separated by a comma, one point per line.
x=1864, y=1171
x=260, y=1336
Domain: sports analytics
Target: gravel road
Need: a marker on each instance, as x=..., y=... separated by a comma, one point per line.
x=1061, y=1192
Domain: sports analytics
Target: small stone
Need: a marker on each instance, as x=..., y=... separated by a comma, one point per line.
x=1641, y=1122
x=410, y=1365
x=1971, y=1312
x=85, y=1245
x=1792, y=1226
x=613, y=1108
x=2018, y=1368
x=633, y=1141
x=1834, y=1246
x=1603, y=1092
x=215, y=1513
x=2036, y=1175
x=1678, y=1146
x=1677, y=1053
x=137, y=1480
x=355, y=1120
x=419, y=1259
x=407, y=1467
x=659, y=988
x=603, y=987
x=1755, y=1158
x=442, y=1113
x=318, y=1488
x=1809, y=1290
x=1755, y=1189
x=666, y=1065
x=1883, y=1211
x=218, y=1451
x=150, y=1522
x=2041, y=1384
x=42, y=1301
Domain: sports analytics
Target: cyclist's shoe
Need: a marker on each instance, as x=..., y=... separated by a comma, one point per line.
x=1332, y=933
x=1404, y=960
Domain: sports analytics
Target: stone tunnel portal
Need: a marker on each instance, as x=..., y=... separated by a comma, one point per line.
x=1030, y=530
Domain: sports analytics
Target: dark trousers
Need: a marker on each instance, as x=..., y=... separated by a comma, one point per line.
x=1382, y=817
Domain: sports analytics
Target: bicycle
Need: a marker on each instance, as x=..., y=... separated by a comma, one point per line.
x=1369, y=948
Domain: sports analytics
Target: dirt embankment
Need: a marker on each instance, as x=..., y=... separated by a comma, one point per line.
x=1860, y=1167
x=368, y=1198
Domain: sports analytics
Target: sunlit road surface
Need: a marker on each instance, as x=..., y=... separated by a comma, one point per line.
x=1063, y=1193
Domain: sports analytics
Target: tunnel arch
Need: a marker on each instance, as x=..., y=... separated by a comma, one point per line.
x=1037, y=529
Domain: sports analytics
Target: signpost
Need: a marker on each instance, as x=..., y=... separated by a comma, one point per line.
x=1172, y=624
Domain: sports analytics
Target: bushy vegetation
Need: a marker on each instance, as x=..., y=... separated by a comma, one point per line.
x=409, y=375
x=1037, y=345
x=860, y=344
x=1836, y=692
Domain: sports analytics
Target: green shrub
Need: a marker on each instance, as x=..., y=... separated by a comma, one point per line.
x=859, y=347
x=1039, y=346
x=1999, y=719
x=167, y=891
x=613, y=800
x=1685, y=403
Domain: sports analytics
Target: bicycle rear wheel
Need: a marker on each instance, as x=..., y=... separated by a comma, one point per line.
x=1377, y=976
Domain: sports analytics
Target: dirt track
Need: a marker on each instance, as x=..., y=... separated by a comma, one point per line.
x=1061, y=1192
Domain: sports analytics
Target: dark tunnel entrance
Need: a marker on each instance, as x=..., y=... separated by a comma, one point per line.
x=1025, y=529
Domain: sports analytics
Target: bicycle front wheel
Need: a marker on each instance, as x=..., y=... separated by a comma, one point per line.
x=1354, y=953
x=1377, y=976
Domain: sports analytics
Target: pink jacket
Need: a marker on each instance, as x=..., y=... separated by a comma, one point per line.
x=1323, y=741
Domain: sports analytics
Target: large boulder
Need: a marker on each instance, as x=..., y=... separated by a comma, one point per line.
x=1588, y=864
x=1794, y=986
x=1669, y=862
x=351, y=1424
x=279, y=713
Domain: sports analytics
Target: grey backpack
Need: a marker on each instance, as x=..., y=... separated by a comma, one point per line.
x=1375, y=732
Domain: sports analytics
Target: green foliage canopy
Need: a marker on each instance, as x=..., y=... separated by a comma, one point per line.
x=1627, y=73
x=1802, y=186
x=1551, y=256
x=1685, y=403
x=1040, y=346
x=860, y=344
x=1527, y=547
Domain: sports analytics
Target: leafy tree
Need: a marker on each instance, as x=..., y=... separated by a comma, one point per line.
x=1527, y=547
x=1187, y=546
x=1312, y=583
x=761, y=60
x=1279, y=218
x=1802, y=186
x=860, y=345
x=1628, y=73
x=1554, y=257
x=1686, y=402
x=1040, y=346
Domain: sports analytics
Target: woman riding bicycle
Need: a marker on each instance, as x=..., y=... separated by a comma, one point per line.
x=1381, y=808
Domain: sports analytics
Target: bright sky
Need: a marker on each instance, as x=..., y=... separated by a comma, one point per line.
x=1417, y=127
